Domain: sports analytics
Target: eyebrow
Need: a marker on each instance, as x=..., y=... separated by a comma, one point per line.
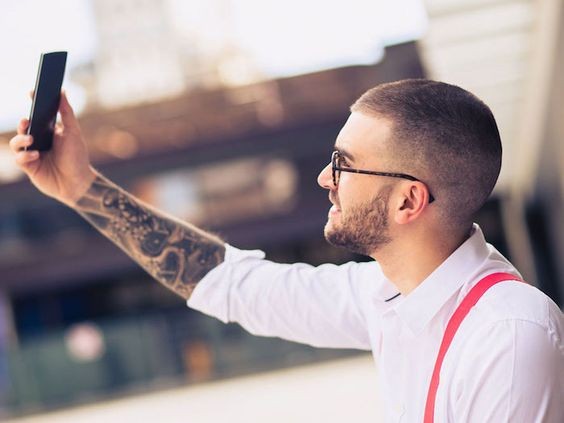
x=344, y=153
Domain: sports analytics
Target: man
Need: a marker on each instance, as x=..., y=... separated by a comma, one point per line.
x=411, y=166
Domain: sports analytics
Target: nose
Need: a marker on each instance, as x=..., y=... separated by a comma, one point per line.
x=325, y=177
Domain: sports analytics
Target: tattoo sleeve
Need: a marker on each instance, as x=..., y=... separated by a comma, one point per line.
x=175, y=253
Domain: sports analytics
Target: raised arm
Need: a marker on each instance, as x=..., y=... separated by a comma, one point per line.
x=319, y=306
x=175, y=253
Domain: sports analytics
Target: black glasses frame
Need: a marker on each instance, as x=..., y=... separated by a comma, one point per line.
x=336, y=169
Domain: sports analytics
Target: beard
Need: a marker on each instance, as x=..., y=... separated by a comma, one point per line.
x=364, y=228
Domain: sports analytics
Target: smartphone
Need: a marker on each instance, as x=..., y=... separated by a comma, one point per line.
x=47, y=95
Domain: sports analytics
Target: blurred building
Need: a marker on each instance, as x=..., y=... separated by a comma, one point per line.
x=79, y=320
x=143, y=57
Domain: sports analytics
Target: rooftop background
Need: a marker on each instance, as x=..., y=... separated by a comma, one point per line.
x=222, y=113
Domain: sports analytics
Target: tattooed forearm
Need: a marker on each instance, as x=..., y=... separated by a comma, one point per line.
x=175, y=253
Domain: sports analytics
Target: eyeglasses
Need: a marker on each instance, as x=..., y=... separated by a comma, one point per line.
x=337, y=160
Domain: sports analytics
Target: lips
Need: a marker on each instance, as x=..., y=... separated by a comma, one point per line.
x=334, y=201
x=334, y=210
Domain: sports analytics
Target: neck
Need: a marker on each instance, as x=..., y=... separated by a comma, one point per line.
x=409, y=262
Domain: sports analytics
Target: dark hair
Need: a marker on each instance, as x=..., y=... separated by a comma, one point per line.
x=443, y=135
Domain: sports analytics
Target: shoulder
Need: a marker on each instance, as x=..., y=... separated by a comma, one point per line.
x=513, y=300
x=354, y=272
x=366, y=277
x=514, y=325
x=514, y=363
x=522, y=306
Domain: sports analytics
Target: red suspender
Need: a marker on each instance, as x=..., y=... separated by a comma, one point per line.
x=456, y=319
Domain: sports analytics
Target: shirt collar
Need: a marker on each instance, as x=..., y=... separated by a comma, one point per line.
x=424, y=302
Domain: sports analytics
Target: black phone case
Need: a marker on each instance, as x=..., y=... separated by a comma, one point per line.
x=46, y=99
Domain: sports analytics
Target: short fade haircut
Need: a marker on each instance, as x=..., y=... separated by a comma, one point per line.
x=443, y=135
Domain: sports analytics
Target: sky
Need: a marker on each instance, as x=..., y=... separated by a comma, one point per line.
x=283, y=38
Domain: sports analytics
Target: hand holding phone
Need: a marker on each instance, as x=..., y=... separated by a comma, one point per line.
x=64, y=172
x=47, y=95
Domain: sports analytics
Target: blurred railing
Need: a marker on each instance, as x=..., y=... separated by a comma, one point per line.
x=98, y=360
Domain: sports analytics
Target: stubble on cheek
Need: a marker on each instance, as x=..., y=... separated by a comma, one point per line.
x=361, y=229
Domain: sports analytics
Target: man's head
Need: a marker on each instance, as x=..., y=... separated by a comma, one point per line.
x=440, y=134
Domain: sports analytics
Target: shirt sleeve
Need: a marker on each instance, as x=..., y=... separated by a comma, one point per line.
x=515, y=373
x=318, y=306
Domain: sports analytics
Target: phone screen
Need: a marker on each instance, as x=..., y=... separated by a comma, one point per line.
x=46, y=99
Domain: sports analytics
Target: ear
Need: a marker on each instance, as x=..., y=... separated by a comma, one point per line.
x=413, y=199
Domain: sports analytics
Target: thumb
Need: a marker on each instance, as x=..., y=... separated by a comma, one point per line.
x=67, y=114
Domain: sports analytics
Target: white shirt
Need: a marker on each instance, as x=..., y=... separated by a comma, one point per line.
x=506, y=362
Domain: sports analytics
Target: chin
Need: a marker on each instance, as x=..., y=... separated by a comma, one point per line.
x=327, y=230
x=330, y=226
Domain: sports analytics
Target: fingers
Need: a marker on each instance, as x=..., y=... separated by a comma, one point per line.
x=22, y=126
x=25, y=159
x=20, y=142
x=31, y=94
x=66, y=111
